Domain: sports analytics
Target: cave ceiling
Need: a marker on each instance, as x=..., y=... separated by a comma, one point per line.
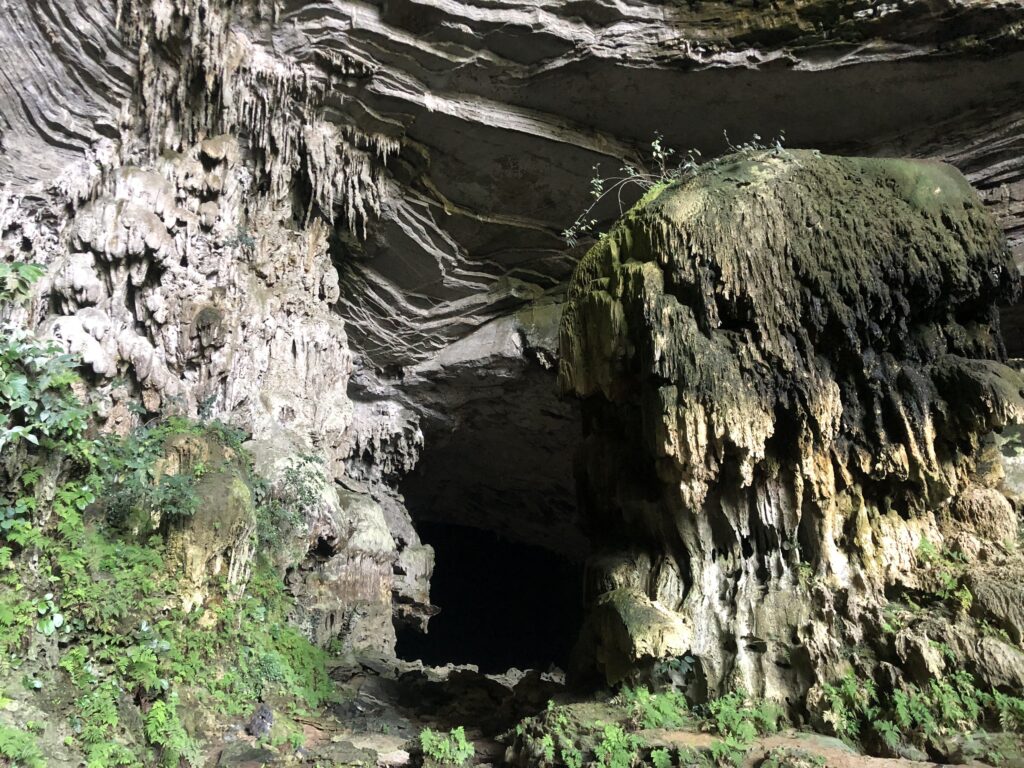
x=492, y=116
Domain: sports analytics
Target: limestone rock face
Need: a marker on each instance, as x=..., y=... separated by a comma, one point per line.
x=336, y=224
x=344, y=586
x=791, y=373
x=216, y=541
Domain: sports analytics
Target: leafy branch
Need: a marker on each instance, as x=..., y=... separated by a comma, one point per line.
x=666, y=167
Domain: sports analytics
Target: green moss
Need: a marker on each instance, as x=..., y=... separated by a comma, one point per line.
x=788, y=359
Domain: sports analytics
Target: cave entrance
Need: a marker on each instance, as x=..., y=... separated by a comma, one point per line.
x=494, y=493
x=503, y=603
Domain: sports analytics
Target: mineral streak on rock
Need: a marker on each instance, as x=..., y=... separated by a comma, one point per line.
x=791, y=372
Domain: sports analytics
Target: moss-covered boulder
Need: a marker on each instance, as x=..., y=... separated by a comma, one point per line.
x=332, y=546
x=791, y=372
x=215, y=539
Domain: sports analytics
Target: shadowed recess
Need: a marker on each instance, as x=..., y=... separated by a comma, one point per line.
x=503, y=604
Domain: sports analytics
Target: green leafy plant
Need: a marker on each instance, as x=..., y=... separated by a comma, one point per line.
x=851, y=700
x=16, y=280
x=664, y=166
x=556, y=741
x=282, y=508
x=109, y=754
x=947, y=570
x=50, y=619
x=571, y=756
x=135, y=492
x=618, y=749
x=890, y=734
x=451, y=749
x=37, y=403
x=729, y=751
x=739, y=719
x=164, y=730
x=19, y=749
x=782, y=756
x=989, y=630
x=655, y=710
x=920, y=714
x=742, y=718
x=547, y=746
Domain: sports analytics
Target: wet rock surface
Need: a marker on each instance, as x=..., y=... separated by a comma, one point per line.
x=777, y=381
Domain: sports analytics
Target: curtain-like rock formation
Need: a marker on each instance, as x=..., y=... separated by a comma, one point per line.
x=791, y=373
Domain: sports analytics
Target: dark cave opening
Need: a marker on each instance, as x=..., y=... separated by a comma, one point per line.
x=503, y=603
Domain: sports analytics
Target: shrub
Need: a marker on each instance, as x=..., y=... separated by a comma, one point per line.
x=37, y=403
x=451, y=749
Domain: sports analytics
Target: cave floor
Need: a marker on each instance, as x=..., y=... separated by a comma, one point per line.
x=384, y=704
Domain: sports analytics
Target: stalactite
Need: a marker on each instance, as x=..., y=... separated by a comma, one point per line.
x=271, y=102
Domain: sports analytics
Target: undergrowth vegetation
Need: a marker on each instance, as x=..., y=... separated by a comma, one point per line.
x=446, y=749
x=561, y=737
x=630, y=731
x=19, y=750
x=919, y=715
x=88, y=608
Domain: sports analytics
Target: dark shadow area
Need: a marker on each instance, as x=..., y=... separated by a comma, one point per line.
x=503, y=604
x=1013, y=329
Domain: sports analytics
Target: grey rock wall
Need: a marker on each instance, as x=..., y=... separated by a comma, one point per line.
x=322, y=219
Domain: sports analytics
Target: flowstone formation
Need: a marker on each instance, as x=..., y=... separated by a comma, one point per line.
x=792, y=374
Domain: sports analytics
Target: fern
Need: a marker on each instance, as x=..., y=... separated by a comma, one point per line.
x=547, y=748
x=729, y=751
x=19, y=750
x=617, y=749
x=165, y=731
x=109, y=754
x=890, y=734
x=451, y=749
x=572, y=757
x=1010, y=711
x=97, y=712
x=655, y=710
